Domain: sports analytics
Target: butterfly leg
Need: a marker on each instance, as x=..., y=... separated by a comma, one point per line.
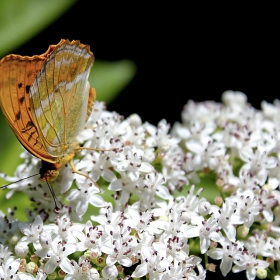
x=94, y=149
x=83, y=174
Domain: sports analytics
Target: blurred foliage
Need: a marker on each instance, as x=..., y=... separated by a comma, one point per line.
x=20, y=21
x=110, y=78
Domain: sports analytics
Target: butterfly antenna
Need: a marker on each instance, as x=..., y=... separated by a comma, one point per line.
x=5, y=186
x=55, y=198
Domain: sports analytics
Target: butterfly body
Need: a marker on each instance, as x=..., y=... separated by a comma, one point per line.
x=47, y=100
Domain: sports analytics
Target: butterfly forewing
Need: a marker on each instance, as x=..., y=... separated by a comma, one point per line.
x=17, y=74
x=60, y=96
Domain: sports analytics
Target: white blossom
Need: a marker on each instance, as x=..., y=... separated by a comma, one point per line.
x=148, y=201
x=57, y=256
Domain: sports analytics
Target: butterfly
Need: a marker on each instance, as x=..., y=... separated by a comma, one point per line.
x=47, y=100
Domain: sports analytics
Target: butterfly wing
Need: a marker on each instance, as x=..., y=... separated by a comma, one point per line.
x=17, y=74
x=60, y=96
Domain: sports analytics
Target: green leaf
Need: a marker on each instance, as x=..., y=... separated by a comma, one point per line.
x=21, y=20
x=19, y=200
x=210, y=189
x=10, y=148
x=110, y=78
x=207, y=183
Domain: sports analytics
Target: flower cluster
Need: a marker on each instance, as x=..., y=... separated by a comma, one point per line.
x=154, y=221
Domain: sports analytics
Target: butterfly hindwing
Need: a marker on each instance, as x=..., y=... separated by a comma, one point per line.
x=60, y=95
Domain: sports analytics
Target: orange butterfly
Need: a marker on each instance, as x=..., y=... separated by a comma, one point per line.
x=46, y=100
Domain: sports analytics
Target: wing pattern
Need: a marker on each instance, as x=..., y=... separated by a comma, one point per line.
x=17, y=74
x=47, y=99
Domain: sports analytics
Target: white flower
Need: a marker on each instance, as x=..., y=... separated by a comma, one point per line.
x=108, y=216
x=92, y=239
x=149, y=230
x=236, y=99
x=176, y=272
x=207, y=153
x=67, y=176
x=191, y=165
x=110, y=272
x=237, y=137
x=40, y=275
x=130, y=161
x=153, y=263
x=245, y=181
x=260, y=243
x=200, y=132
x=204, y=208
x=9, y=228
x=119, y=246
x=272, y=248
x=136, y=133
x=204, y=112
x=140, y=221
x=247, y=206
x=257, y=163
x=126, y=186
x=58, y=257
x=191, y=202
x=175, y=226
x=229, y=253
x=209, y=230
x=107, y=127
x=99, y=164
x=160, y=137
x=227, y=218
x=21, y=249
x=151, y=185
x=85, y=194
x=5, y=254
x=250, y=263
x=172, y=168
x=65, y=228
x=271, y=111
x=267, y=202
x=31, y=231
x=82, y=270
x=9, y=267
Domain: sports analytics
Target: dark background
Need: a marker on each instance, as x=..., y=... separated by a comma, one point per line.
x=181, y=52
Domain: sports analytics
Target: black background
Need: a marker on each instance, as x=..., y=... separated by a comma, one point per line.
x=181, y=52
